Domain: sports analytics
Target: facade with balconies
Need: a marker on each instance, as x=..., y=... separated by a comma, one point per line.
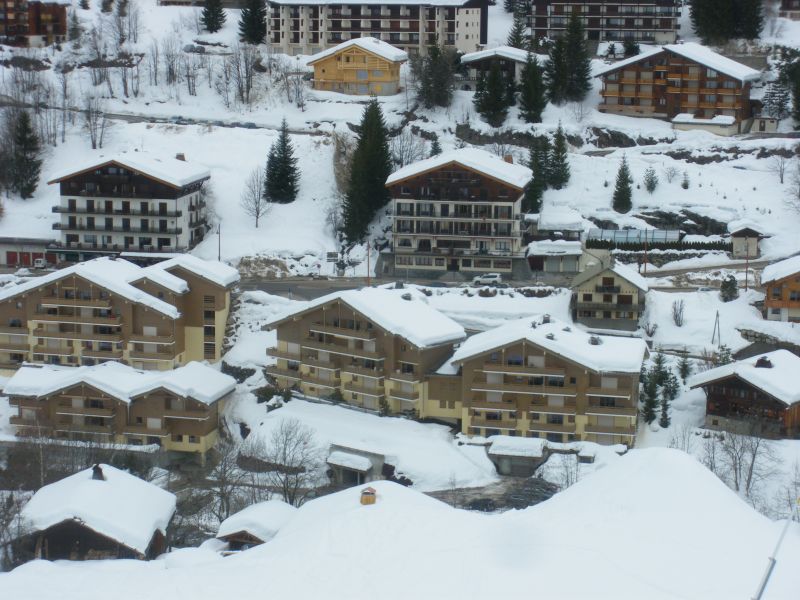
x=33, y=23
x=131, y=202
x=609, y=297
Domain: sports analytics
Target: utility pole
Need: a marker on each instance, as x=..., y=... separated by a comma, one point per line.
x=717, y=333
x=368, y=249
x=645, y=252
x=219, y=242
x=746, y=261
x=772, y=560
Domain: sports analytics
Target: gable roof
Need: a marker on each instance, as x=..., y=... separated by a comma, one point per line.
x=620, y=270
x=781, y=270
x=694, y=52
x=509, y=52
x=212, y=270
x=611, y=355
x=474, y=159
x=412, y=319
x=262, y=520
x=123, y=508
x=368, y=44
x=780, y=381
x=194, y=380
x=170, y=171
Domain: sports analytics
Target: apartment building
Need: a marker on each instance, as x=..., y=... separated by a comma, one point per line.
x=132, y=201
x=360, y=66
x=608, y=20
x=33, y=23
x=373, y=347
x=789, y=9
x=157, y=317
x=781, y=283
x=310, y=26
x=177, y=410
x=458, y=211
x=539, y=377
x=609, y=297
x=679, y=79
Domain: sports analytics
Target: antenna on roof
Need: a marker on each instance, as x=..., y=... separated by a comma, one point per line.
x=551, y=336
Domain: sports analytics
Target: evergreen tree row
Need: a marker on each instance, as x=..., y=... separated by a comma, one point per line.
x=717, y=21
x=20, y=155
x=568, y=71
x=550, y=167
x=435, y=76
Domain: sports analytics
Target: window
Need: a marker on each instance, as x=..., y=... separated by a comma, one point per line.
x=177, y=437
x=193, y=439
x=710, y=73
x=208, y=314
x=587, y=297
x=209, y=350
x=208, y=299
x=209, y=331
x=555, y=419
x=534, y=416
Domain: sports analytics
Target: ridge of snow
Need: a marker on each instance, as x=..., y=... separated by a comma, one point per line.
x=263, y=520
x=781, y=269
x=172, y=171
x=508, y=52
x=369, y=44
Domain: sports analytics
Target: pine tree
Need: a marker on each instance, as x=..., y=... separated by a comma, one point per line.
x=253, y=22
x=658, y=372
x=685, y=180
x=26, y=161
x=729, y=290
x=724, y=356
x=684, y=366
x=776, y=100
x=510, y=6
x=537, y=163
x=84, y=4
x=282, y=174
x=74, y=29
x=436, y=149
x=532, y=93
x=748, y=18
x=793, y=74
x=650, y=180
x=664, y=420
x=511, y=91
x=649, y=400
x=622, y=190
x=630, y=48
x=435, y=74
x=213, y=15
x=371, y=165
x=516, y=36
x=577, y=62
x=557, y=162
x=555, y=73
x=490, y=99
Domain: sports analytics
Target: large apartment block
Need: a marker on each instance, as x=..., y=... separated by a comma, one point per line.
x=608, y=20
x=372, y=346
x=130, y=202
x=157, y=317
x=679, y=79
x=177, y=410
x=458, y=211
x=309, y=26
x=33, y=23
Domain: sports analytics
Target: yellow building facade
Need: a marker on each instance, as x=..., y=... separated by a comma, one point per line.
x=363, y=66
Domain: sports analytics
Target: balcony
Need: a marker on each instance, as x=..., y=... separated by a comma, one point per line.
x=100, y=210
x=493, y=423
x=285, y=373
x=610, y=392
x=488, y=405
x=117, y=229
x=552, y=427
x=109, y=354
x=144, y=430
x=319, y=364
x=83, y=428
x=610, y=306
x=77, y=335
x=405, y=396
x=12, y=347
x=615, y=411
x=344, y=332
x=21, y=422
x=49, y=351
x=85, y=411
x=14, y=330
x=192, y=415
x=141, y=355
x=284, y=354
x=82, y=319
x=568, y=408
x=479, y=385
x=607, y=289
x=493, y=367
x=362, y=371
x=76, y=302
x=406, y=377
x=152, y=339
x=343, y=350
x=331, y=383
x=608, y=430
x=375, y=392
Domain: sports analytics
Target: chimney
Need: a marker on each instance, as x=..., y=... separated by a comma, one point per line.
x=97, y=473
x=368, y=496
x=764, y=363
x=509, y=159
x=180, y=156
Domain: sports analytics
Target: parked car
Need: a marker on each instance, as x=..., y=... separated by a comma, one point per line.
x=487, y=279
x=39, y=263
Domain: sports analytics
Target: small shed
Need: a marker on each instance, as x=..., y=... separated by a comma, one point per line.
x=255, y=525
x=98, y=513
x=745, y=239
x=719, y=124
x=554, y=256
x=351, y=466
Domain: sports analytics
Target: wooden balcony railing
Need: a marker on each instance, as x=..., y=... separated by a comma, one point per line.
x=606, y=430
x=358, y=334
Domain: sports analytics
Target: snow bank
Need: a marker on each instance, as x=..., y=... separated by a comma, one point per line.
x=262, y=520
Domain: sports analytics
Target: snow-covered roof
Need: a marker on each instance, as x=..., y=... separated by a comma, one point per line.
x=262, y=520
x=172, y=171
x=555, y=248
x=645, y=52
x=612, y=355
x=214, y=271
x=403, y=312
x=556, y=217
x=122, y=507
x=348, y=460
x=781, y=269
x=193, y=380
x=779, y=381
x=357, y=2
x=508, y=52
x=738, y=225
x=619, y=269
x=369, y=44
x=690, y=119
x=481, y=161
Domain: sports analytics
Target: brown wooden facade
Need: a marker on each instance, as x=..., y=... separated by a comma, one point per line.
x=782, y=299
x=32, y=22
x=74, y=540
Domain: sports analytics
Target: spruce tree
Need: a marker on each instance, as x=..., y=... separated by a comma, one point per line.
x=724, y=356
x=776, y=100
x=26, y=161
x=537, y=163
x=664, y=420
x=685, y=180
x=490, y=100
x=282, y=174
x=658, y=372
x=622, y=190
x=578, y=66
x=84, y=4
x=728, y=289
x=669, y=391
x=517, y=37
x=714, y=21
x=649, y=400
x=253, y=22
x=748, y=18
x=213, y=15
x=793, y=74
x=532, y=92
x=511, y=91
x=555, y=73
x=558, y=162
x=630, y=48
x=436, y=149
x=684, y=366
x=435, y=74
x=74, y=29
x=370, y=166
x=510, y=6
x=650, y=180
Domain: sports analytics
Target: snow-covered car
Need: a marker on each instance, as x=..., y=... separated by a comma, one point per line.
x=487, y=279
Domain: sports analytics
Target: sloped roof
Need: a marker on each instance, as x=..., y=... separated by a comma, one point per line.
x=780, y=381
x=623, y=271
x=474, y=159
x=554, y=248
x=781, y=270
x=262, y=520
x=368, y=44
x=214, y=271
x=612, y=355
x=508, y=52
x=173, y=172
x=646, y=52
x=412, y=319
x=122, y=507
x=193, y=380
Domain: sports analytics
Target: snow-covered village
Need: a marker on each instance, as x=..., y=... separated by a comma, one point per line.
x=348, y=300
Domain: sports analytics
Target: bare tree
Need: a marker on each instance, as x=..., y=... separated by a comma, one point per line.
x=777, y=165
x=94, y=116
x=678, y=307
x=243, y=60
x=333, y=214
x=502, y=149
x=406, y=148
x=169, y=49
x=191, y=67
x=296, y=461
x=670, y=173
x=153, y=62
x=683, y=438
x=226, y=480
x=253, y=202
x=63, y=84
x=793, y=192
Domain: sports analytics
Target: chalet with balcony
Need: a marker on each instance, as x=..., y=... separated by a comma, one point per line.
x=609, y=297
x=510, y=60
x=372, y=347
x=307, y=27
x=98, y=513
x=541, y=378
x=177, y=410
x=654, y=21
x=679, y=79
x=33, y=23
x=781, y=282
x=458, y=211
x=758, y=395
x=130, y=202
x=363, y=66
x=155, y=317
